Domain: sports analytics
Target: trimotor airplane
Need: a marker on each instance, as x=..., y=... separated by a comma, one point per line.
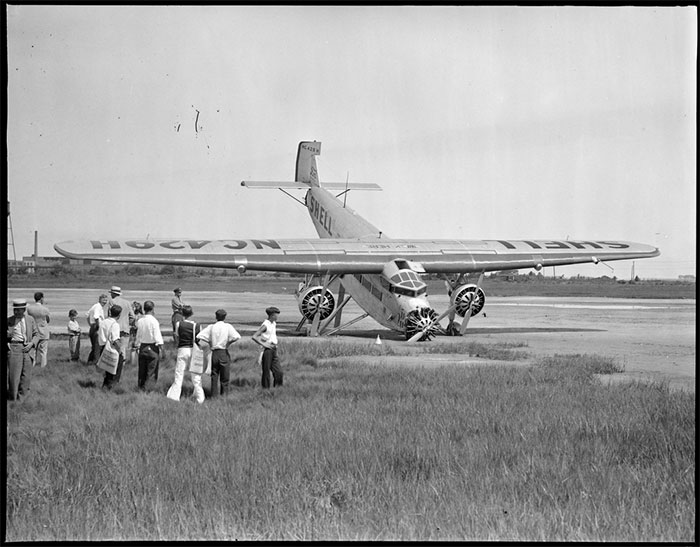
x=381, y=274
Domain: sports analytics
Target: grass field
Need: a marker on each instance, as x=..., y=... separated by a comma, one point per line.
x=352, y=448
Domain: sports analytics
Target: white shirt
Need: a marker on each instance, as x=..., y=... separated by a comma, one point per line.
x=19, y=332
x=95, y=313
x=148, y=331
x=270, y=334
x=73, y=326
x=219, y=335
x=109, y=331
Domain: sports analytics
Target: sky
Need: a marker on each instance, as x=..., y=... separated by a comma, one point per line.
x=478, y=122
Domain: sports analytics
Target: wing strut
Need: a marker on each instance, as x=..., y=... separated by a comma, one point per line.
x=336, y=313
x=327, y=280
x=351, y=322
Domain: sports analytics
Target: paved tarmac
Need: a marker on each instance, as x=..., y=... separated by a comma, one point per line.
x=653, y=339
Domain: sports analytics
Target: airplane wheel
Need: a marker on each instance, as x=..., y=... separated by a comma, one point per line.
x=453, y=329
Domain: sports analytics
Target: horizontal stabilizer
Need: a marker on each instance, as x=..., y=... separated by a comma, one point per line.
x=334, y=186
x=350, y=186
x=268, y=184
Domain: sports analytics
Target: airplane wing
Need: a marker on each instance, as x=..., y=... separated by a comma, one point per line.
x=338, y=256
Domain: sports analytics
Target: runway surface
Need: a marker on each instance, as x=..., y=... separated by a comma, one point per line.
x=653, y=339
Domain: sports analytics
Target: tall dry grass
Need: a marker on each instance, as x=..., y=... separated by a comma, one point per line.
x=351, y=449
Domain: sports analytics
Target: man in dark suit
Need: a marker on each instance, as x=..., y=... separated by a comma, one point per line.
x=22, y=336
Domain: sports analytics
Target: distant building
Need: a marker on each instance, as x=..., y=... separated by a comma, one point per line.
x=690, y=278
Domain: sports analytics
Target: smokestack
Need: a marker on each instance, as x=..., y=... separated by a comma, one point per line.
x=36, y=244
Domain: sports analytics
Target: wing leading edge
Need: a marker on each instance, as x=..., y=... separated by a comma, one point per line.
x=355, y=256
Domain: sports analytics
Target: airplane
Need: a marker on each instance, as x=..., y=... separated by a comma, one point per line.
x=382, y=275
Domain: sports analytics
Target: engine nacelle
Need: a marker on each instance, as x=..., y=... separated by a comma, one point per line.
x=310, y=301
x=462, y=296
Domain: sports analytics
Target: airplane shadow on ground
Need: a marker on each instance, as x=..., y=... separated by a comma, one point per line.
x=386, y=334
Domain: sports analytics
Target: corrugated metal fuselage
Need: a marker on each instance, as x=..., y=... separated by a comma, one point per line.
x=332, y=220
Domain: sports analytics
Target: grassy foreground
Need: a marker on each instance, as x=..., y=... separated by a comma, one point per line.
x=354, y=451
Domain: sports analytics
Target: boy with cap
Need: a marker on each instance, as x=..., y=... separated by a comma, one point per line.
x=22, y=336
x=266, y=336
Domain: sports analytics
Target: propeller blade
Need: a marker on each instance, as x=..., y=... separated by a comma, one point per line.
x=448, y=311
x=416, y=336
x=472, y=296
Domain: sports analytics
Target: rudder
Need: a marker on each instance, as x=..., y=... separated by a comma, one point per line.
x=306, y=171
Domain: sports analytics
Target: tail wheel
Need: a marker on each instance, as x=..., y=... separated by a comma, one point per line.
x=466, y=295
x=313, y=301
x=422, y=320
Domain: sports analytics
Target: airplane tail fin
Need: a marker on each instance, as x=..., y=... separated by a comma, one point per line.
x=306, y=163
x=306, y=174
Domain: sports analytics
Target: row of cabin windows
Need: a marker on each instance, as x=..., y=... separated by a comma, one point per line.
x=367, y=285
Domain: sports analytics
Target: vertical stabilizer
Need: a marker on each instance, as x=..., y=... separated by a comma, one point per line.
x=306, y=163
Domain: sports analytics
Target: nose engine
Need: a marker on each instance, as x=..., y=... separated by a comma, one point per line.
x=312, y=299
x=422, y=320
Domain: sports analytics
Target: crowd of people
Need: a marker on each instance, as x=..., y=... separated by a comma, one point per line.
x=128, y=332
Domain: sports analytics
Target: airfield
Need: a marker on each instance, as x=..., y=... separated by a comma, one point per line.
x=654, y=339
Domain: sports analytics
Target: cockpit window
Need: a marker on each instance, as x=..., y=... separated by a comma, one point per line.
x=408, y=283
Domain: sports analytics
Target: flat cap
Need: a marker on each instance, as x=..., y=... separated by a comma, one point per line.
x=272, y=309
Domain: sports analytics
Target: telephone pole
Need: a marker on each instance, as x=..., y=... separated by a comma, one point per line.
x=11, y=237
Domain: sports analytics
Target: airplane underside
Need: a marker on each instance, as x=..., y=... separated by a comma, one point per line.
x=396, y=307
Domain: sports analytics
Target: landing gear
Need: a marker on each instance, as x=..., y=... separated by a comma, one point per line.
x=453, y=329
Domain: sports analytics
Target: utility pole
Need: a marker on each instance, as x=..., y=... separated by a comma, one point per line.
x=11, y=238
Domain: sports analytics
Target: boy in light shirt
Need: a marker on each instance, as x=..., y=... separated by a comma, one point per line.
x=266, y=336
x=73, y=335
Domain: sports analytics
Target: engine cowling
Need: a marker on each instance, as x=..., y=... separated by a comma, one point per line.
x=310, y=300
x=422, y=320
x=463, y=294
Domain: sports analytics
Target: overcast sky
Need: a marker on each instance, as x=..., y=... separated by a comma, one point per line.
x=479, y=123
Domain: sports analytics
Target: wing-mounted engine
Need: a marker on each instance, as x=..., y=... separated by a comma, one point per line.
x=311, y=299
x=463, y=295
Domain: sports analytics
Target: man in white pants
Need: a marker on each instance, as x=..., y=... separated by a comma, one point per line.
x=184, y=335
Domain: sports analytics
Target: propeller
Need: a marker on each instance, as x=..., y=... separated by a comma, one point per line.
x=471, y=297
x=418, y=335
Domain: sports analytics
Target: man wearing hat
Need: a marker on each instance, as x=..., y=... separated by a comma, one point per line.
x=176, y=304
x=266, y=336
x=125, y=318
x=22, y=337
x=41, y=316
